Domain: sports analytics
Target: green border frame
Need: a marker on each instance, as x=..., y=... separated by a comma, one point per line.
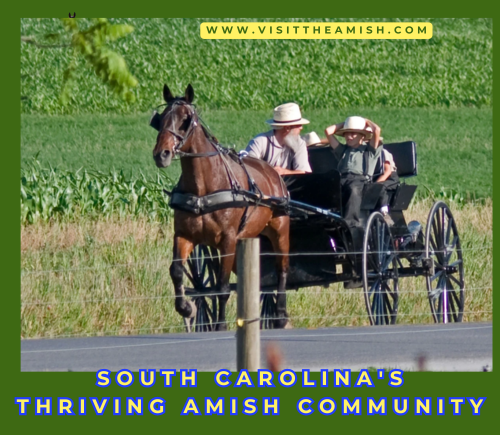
x=74, y=385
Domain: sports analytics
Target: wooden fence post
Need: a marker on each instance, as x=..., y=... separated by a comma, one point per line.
x=248, y=305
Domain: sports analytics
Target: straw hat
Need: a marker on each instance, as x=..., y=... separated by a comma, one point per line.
x=355, y=124
x=287, y=114
x=312, y=139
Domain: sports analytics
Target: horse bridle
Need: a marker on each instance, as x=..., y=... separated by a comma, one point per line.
x=180, y=140
x=156, y=122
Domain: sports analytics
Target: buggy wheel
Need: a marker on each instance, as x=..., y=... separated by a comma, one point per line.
x=268, y=312
x=201, y=270
x=445, y=288
x=380, y=272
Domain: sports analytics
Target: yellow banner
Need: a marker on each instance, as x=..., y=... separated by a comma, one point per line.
x=313, y=30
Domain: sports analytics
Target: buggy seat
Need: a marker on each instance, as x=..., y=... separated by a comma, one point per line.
x=322, y=187
x=405, y=158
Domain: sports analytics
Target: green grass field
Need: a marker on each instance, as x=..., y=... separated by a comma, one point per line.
x=111, y=277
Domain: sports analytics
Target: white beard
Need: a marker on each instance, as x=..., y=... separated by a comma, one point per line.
x=293, y=141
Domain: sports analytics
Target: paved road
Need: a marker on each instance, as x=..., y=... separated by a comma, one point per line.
x=453, y=347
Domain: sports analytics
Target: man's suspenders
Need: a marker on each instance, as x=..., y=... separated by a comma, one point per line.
x=268, y=150
x=365, y=162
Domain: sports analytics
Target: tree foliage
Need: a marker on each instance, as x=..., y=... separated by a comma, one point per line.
x=92, y=43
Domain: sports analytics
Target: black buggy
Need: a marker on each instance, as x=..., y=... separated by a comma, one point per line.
x=324, y=250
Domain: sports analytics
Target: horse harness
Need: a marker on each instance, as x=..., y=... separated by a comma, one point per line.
x=236, y=197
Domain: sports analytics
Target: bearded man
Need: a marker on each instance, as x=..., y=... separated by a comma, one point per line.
x=282, y=147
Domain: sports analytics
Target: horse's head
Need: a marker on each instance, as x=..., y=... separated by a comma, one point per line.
x=173, y=125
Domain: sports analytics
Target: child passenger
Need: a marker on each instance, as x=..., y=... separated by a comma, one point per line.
x=357, y=160
x=390, y=180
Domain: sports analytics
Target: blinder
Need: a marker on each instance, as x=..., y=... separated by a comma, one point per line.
x=155, y=121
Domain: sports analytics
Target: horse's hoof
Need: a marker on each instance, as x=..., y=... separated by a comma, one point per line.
x=281, y=323
x=221, y=327
x=187, y=310
x=288, y=325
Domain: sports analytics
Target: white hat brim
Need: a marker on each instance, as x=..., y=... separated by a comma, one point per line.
x=341, y=132
x=301, y=121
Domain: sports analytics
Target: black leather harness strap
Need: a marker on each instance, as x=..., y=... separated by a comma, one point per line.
x=222, y=199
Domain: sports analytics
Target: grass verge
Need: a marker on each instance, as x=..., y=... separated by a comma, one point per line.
x=111, y=277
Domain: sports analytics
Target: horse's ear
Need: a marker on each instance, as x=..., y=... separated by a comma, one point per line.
x=189, y=94
x=167, y=95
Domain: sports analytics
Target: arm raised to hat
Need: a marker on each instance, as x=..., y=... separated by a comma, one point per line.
x=330, y=131
x=375, y=139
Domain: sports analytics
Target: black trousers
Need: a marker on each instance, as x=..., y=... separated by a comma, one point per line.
x=390, y=185
x=352, y=190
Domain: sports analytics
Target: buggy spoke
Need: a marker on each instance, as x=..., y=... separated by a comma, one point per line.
x=454, y=293
x=443, y=213
x=436, y=275
x=204, y=268
x=435, y=225
x=437, y=252
x=457, y=282
x=210, y=275
x=448, y=231
x=388, y=261
x=380, y=247
x=454, y=242
x=400, y=263
x=389, y=291
x=374, y=301
x=374, y=285
x=456, y=263
x=448, y=284
x=452, y=308
x=373, y=263
x=457, y=300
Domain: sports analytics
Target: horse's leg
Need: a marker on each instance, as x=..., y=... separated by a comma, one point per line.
x=278, y=232
x=227, y=251
x=182, y=249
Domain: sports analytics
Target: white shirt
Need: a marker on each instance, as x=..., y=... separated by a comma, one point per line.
x=388, y=158
x=278, y=155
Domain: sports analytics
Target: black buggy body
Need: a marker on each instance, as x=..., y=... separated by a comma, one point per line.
x=314, y=233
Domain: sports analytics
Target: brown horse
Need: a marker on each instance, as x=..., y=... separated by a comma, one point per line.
x=205, y=169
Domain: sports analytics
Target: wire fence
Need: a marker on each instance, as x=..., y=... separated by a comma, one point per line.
x=199, y=261
x=168, y=261
x=345, y=292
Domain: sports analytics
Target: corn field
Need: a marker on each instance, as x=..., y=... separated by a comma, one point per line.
x=67, y=195
x=453, y=69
